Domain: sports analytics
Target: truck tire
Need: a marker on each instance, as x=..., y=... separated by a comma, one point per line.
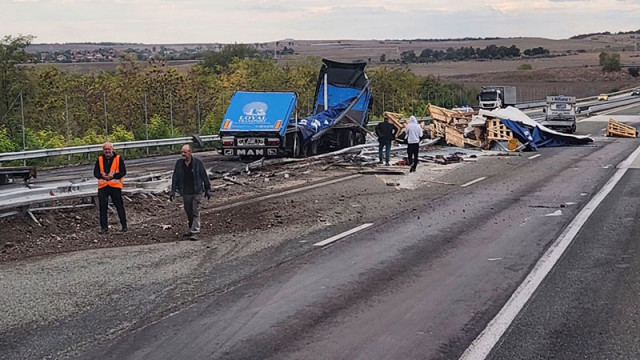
x=311, y=148
x=361, y=138
x=297, y=148
x=573, y=129
x=346, y=139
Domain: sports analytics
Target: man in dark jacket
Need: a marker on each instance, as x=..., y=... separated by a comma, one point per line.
x=190, y=180
x=386, y=132
x=109, y=170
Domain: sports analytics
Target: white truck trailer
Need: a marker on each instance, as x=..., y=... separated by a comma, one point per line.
x=560, y=113
x=495, y=97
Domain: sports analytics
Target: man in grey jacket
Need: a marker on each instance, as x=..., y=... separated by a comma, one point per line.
x=190, y=180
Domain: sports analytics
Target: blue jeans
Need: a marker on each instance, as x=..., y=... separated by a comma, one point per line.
x=384, y=143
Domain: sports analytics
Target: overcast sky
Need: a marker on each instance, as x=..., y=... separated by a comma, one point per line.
x=250, y=21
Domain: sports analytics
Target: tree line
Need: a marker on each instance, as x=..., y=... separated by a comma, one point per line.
x=490, y=52
x=45, y=107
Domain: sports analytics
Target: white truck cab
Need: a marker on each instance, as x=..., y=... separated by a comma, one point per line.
x=560, y=113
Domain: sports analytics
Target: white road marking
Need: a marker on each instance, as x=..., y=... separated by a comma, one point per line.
x=534, y=156
x=341, y=235
x=484, y=343
x=473, y=181
x=555, y=213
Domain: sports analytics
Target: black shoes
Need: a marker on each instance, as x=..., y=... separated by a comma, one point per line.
x=103, y=231
x=194, y=237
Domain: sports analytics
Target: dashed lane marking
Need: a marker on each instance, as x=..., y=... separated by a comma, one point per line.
x=473, y=181
x=534, y=156
x=342, y=235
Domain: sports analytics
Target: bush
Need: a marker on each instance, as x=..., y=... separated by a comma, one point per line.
x=6, y=145
x=211, y=124
x=634, y=71
x=120, y=134
x=610, y=62
x=525, y=67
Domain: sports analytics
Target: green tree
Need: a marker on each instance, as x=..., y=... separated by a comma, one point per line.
x=610, y=62
x=6, y=144
x=218, y=60
x=13, y=78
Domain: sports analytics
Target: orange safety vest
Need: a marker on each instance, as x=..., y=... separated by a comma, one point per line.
x=115, y=168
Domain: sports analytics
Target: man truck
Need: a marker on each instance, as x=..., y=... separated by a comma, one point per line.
x=560, y=113
x=266, y=123
x=496, y=97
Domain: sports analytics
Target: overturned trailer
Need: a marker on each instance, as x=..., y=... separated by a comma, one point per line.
x=266, y=123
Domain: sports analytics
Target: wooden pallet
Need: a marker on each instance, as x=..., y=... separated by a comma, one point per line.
x=619, y=129
x=497, y=131
x=454, y=136
x=450, y=117
x=437, y=129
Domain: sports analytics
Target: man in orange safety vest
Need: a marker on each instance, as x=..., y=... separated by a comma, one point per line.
x=110, y=170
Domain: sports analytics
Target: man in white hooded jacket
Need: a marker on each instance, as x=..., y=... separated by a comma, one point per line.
x=414, y=133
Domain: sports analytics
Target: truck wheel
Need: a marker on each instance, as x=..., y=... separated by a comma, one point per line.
x=573, y=128
x=297, y=148
x=360, y=138
x=346, y=138
x=312, y=148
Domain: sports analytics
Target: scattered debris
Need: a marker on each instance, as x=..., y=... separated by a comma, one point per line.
x=619, y=129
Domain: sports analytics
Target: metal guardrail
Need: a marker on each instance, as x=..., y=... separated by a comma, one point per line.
x=34, y=154
x=611, y=105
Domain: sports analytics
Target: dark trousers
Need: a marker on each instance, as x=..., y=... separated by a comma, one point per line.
x=103, y=201
x=412, y=152
x=386, y=145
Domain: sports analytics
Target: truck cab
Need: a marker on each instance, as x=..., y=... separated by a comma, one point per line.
x=265, y=124
x=496, y=97
x=560, y=113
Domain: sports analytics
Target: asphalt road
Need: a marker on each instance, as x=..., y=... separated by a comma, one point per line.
x=424, y=283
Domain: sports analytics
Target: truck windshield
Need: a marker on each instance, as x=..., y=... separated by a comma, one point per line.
x=488, y=96
x=560, y=107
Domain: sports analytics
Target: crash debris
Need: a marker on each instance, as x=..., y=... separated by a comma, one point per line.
x=618, y=129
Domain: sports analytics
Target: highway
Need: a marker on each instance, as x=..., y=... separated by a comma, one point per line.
x=422, y=280
x=425, y=283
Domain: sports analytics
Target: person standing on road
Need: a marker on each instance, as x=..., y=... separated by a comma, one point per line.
x=190, y=180
x=386, y=132
x=414, y=133
x=110, y=170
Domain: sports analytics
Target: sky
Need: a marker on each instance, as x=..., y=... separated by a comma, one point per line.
x=253, y=21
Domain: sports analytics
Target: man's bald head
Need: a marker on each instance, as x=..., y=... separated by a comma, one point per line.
x=107, y=149
x=186, y=152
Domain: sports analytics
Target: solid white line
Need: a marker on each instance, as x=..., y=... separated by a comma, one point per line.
x=484, y=343
x=341, y=235
x=473, y=181
x=534, y=156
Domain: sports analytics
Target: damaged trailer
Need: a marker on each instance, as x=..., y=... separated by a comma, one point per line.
x=266, y=124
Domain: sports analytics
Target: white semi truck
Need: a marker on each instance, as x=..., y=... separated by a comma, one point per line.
x=560, y=113
x=495, y=97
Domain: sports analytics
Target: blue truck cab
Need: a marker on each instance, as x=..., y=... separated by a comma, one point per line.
x=266, y=123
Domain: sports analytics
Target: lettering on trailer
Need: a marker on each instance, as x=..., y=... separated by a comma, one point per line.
x=254, y=112
x=250, y=152
x=272, y=152
x=564, y=99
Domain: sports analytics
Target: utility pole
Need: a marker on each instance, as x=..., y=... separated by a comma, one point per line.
x=106, y=122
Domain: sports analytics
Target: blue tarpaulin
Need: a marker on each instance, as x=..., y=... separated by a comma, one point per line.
x=536, y=137
x=312, y=124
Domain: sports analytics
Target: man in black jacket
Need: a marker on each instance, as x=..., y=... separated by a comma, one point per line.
x=386, y=132
x=190, y=180
x=110, y=170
